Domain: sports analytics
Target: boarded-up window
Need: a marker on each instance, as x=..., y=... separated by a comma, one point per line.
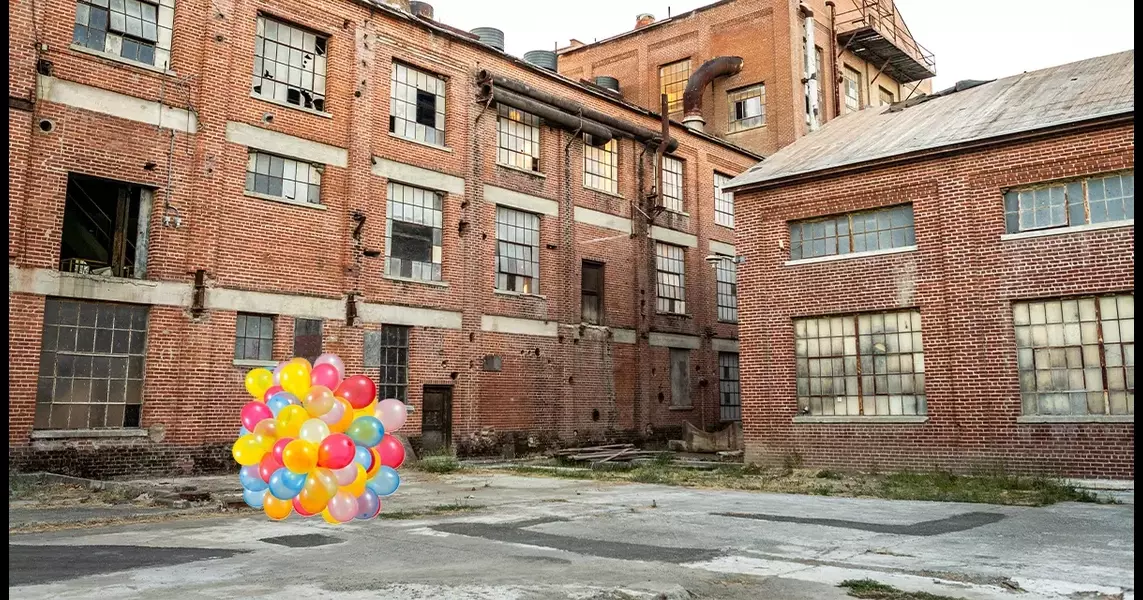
x=307, y=338
x=680, y=377
x=591, y=293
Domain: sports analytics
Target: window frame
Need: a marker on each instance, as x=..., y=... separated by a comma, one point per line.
x=675, y=87
x=606, y=161
x=160, y=46
x=665, y=257
x=726, y=289
x=390, y=340
x=598, y=294
x=882, y=93
x=523, y=127
x=402, y=105
x=799, y=241
x=241, y=336
x=436, y=235
x=317, y=71
x=742, y=95
x=509, y=280
x=253, y=160
x=721, y=216
x=856, y=81
x=307, y=337
x=729, y=388
x=674, y=184
x=1072, y=210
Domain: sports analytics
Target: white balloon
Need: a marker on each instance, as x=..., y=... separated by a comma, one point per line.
x=313, y=430
x=392, y=414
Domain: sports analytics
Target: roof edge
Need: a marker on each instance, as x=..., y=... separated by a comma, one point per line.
x=645, y=28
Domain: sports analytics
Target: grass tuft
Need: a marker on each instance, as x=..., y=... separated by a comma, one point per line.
x=873, y=590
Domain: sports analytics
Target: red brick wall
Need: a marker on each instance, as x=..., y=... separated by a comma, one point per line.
x=963, y=278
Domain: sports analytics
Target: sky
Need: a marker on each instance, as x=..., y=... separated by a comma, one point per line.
x=972, y=39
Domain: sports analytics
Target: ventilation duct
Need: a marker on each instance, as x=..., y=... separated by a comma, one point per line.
x=723, y=66
x=490, y=36
x=545, y=59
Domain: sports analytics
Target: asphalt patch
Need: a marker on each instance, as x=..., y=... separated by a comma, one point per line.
x=516, y=534
x=308, y=540
x=952, y=524
x=34, y=565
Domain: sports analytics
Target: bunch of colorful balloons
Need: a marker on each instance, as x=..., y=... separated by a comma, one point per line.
x=314, y=441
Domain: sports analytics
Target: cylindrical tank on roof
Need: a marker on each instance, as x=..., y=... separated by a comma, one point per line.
x=490, y=36
x=644, y=20
x=541, y=58
x=401, y=4
x=610, y=83
x=421, y=9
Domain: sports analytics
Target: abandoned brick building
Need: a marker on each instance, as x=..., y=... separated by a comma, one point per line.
x=196, y=189
x=948, y=282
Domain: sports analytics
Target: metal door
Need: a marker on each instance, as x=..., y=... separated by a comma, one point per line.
x=436, y=418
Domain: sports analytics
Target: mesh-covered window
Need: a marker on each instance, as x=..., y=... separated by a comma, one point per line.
x=387, y=355
x=851, y=82
x=673, y=82
x=601, y=166
x=673, y=184
x=517, y=251
x=747, y=108
x=881, y=229
x=1102, y=199
x=591, y=292
x=413, y=234
x=283, y=177
x=137, y=30
x=519, y=138
x=254, y=337
x=726, y=282
x=417, y=105
x=670, y=274
x=307, y=338
x=289, y=64
x=729, y=395
x=91, y=365
x=1076, y=356
x=723, y=201
x=868, y=364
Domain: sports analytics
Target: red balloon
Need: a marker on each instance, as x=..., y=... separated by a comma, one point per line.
x=325, y=375
x=274, y=389
x=279, y=447
x=298, y=508
x=336, y=451
x=358, y=390
x=253, y=413
x=392, y=451
x=268, y=465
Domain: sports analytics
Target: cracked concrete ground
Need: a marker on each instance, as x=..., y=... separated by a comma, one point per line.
x=531, y=538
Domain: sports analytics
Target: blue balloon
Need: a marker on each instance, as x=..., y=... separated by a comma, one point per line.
x=285, y=484
x=281, y=400
x=367, y=505
x=366, y=431
x=363, y=457
x=251, y=480
x=385, y=482
x=254, y=499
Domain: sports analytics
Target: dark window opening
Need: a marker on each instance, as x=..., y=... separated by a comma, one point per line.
x=254, y=337
x=591, y=293
x=729, y=397
x=105, y=228
x=307, y=339
x=411, y=243
x=426, y=108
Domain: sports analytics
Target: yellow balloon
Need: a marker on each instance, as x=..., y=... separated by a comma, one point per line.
x=367, y=411
x=328, y=517
x=358, y=486
x=258, y=381
x=276, y=509
x=295, y=378
x=300, y=456
x=301, y=360
x=249, y=449
x=290, y=420
x=326, y=479
x=347, y=417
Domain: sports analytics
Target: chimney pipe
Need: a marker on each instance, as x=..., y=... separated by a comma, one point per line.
x=723, y=66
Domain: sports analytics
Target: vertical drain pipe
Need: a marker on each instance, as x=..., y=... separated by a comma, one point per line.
x=811, y=85
x=833, y=57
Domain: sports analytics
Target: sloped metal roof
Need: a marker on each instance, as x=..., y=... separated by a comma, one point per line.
x=1071, y=93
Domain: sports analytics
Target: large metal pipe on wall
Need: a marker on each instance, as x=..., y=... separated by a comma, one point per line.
x=600, y=135
x=723, y=66
x=641, y=134
x=812, y=75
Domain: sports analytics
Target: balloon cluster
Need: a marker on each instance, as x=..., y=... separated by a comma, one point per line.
x=314, y=441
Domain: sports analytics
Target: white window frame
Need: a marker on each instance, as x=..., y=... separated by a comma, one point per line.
x=723, y=201
x=852, y=103
x=405, y=82
x=726, y=289
x=518, y=138
x=670, y=277
x=742, y=117
x=260, y=163
x=601, y=166
x=674, y=184
x=517, y=251
x=123, y=31
x=300, y=79
x=417, y=206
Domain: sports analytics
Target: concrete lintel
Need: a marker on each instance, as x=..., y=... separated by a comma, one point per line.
x=286, y=145
x=78, y=95
x=525, y=202
x=860, y=420
x=519, y=326
x=47, y=282
x=724, y=345
x=602, y=219
x=275, y=304
x=71, y=434
x=718, y=247
x=418, y=176
x=670, y=236
x=674, y=340
x=407, y=315
x=623, y=336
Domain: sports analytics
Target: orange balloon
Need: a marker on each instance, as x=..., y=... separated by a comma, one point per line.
x=290, y=419
x=313, y=498
x=357, y=488
x=274, y=508
x=326, y=479
x=300, y=456
x=346, y=420
x=376, y=466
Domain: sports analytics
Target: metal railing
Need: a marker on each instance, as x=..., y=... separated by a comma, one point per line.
x=882, y=18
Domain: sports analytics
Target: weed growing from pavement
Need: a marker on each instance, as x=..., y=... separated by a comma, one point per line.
x=872, y=590
x=431, y=511
x=437, y=464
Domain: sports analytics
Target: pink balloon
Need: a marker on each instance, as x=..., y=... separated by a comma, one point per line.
x=334, y=414
x=274, y=389
x=392, y=452
x=336, y=451
x=253, y=413
x=346, y=474
x=325, y=375
x=334, y=361
x=343, y=506
x=392, y=414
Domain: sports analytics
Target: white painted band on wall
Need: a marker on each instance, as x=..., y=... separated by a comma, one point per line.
x=717, y=247
x=674, y=340
x=670, y=236
x=407, y=315
x=602, y=219
x=275, y=304
x=115, y=104
x=525, y=202
x=516, y=325
x=623, y=336
x=46, y=282
x=722, y=345
x=286, y=145
x=417, y=176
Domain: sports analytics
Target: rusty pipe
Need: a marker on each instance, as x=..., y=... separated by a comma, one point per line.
x=723, y=66
x=600, y=135
x=833, y=56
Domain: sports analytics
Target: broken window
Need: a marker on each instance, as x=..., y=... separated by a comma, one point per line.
x=387, y=351
x=413, y=233
x=601, y=166
x=670, y=273
x=254, y=337
x=417, y=105
x=726, y=282
x=884, y=96
x=680, y=378
x=517, y=251
x=519, y=138
x=283, y=177
x=673, y=184
x=723, y=201
x=307, y=338
x=868, y=364
x=591, y=292
x=105, y=228
x=289, y=64
x=865, y=231
x=136, y=30
x=729, y=396
x=1076, y=356
x=91, y=365
x=673, y=81
x=852, y=83
x=747, y=107
x=1101, y=199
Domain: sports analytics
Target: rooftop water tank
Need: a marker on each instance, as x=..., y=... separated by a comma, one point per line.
x=541, y=58
x=490, y=36
x=421, y=9
x=610, y=83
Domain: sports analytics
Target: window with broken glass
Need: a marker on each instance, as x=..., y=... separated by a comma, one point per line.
x=517, y=251
x=723, y=201
x=673, y=184
x=670, y=278
x=254, y=337
x=387, y=357
x=417, y=105
x=1076, y=356
x=601, y=166
x=289, y=64
x=673, y=82
x=413, y=233
x=135, y=30
x=92, y=362
x=852, y=87
x=1091, y=200
x=519, y=138
x=283, y=177
x=865, y=231
x=860, y=365
x=726, y=282
x=747, y=108
x=729, y=396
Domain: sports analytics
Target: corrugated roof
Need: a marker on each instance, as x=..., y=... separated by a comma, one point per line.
x=1079, y=91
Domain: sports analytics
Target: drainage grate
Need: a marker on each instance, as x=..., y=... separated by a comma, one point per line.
x=309, y=540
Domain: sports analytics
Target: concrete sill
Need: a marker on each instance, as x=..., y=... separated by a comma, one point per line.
x=524, y=171
x=679, y=315
x=682, y=407
x=724, y=226
x=269, y=364
x=312, y=111
x=680, y=213
x=520, y=294
x=1023, y=235
x=125, y=61
x=71, y=434
x=821, y=259
x=1074, y=419
x=440, y=284
x=890, y=420
x=604, y=192
x=285, y=200
x=419, y=142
